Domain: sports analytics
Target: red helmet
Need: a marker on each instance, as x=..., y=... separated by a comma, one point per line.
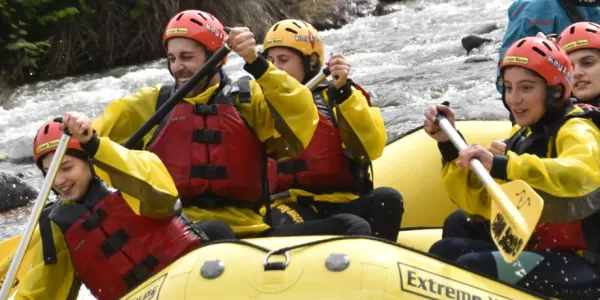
x=582, y=35
x=47, y=138
x=196, y=25
x=543, y=57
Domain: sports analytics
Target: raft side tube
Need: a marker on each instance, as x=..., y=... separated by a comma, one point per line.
x=412, y=165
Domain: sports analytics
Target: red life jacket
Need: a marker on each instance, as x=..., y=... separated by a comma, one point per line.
x=210, y=151
x=113, y=249
x=323, y=167
x=574, y=235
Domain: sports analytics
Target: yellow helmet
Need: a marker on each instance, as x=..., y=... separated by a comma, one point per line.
x=295, y=34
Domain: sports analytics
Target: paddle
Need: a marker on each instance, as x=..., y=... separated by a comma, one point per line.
x=516, y=207
x=312, y=84
x=208, y=67
x=40, y=202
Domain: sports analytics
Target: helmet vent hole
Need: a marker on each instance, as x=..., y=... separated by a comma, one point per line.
x=197, y=22
x=591, y=30
x=202, y=16
x=46, y=129
x=305, y=24
x=291, y=30
x=521, y=43
x=559, y=38
x=547, y=46
x=536, y=49
x=572, y=30
x=296, y=24
x=179, y=17
x=276, y=26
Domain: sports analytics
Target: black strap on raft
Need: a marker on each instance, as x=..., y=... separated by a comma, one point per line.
x=48, y=247
x=571, y=11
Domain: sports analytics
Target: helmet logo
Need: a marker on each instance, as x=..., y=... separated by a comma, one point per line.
x=557, y=64
x=308, y=38
x=561, y=68
x=44, y=146
x=214, y=30
x=176, y=31
x=575, y=44
x=273, y=42
x=516, y=59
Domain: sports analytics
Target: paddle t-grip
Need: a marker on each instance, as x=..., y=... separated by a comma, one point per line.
x=66, y=131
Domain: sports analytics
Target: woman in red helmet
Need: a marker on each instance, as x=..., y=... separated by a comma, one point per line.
x=556, y=150
x=582, y=42
x=109, y=241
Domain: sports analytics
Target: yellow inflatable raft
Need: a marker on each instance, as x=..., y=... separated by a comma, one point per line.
x=343, y=267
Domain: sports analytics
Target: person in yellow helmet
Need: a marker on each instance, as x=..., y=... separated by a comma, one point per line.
x=330, y=176
x=214, y=142
x=554, y=148
x=109, y=241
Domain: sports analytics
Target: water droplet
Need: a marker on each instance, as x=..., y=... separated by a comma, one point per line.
x=566, y=279
x=545, y=281
x=562, y=271
x=534, y=276
x=527, y=284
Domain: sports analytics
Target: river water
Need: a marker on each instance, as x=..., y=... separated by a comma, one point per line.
x=408, y=59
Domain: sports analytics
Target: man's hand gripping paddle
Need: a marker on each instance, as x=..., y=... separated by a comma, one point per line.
x=516, y=207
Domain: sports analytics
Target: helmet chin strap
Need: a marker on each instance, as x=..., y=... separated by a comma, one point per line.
x=309, y=72
x=555, y=107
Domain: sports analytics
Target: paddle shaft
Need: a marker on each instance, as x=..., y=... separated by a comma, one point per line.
x=40, y=202
x=312, y=84
x=506, y=206
x=208, y=67
x=460, y=144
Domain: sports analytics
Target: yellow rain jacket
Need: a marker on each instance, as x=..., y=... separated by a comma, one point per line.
x=363, y=134
x=120, y=168
x=568, y=183
x=272, y=91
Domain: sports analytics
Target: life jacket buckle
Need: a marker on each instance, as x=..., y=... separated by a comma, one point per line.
x=206, y=136
x=205, y=109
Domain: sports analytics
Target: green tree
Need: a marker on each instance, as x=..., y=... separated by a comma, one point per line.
x=27, y=28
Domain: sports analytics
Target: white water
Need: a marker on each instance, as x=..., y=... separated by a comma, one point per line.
x=409, y=59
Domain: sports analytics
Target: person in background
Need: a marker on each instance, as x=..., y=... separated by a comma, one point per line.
x=555, y=148
x=331, y=176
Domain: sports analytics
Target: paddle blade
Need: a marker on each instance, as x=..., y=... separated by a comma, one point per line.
x=510, y=241
x=7, y=252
